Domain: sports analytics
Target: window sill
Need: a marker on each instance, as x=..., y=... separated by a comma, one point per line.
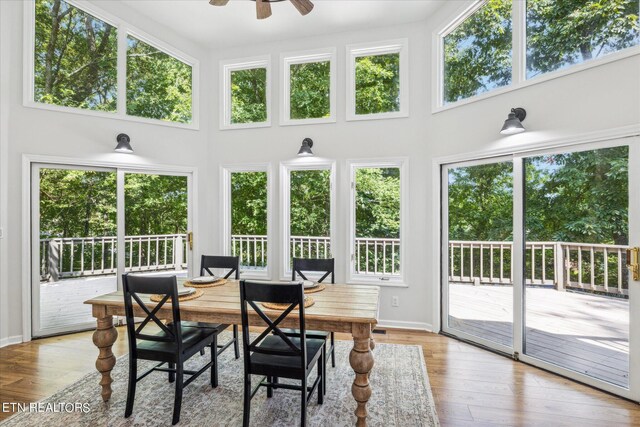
x=377, y=282
x=612, y=57
x=107, y=115
x=300, y=122
x=245, y=125
x=378, y=116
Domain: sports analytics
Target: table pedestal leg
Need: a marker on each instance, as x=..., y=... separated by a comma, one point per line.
x=103, y=338
x=361, y=360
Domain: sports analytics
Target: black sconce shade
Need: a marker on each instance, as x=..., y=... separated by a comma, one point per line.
x=124, y=145
x=513, y=124
x=305, y=148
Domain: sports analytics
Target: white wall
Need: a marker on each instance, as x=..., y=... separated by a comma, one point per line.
x=597, y=99
x=35, y=131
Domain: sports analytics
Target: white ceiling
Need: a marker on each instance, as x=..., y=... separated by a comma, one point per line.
x=235, y=24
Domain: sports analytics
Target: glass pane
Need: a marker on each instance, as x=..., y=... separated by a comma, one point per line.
x=310, y=90
x=576, y=299
x=477, y=53
x=78, y=244
x=158, y=85
x=249, y=219
x=156, y=219
x=377, y=242
x=560, y=34
x=75, y=58
x=480, y=250
x=249, y=96
x=310, y=214
x=378, y=84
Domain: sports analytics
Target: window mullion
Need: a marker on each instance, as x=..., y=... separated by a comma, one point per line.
x=519, y=48
x=122, y=70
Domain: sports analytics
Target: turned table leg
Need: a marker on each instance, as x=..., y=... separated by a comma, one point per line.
x=361, y=360
x=103, y=338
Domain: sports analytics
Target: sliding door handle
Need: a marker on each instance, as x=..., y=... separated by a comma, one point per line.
x=633, y=263
x=190, y=240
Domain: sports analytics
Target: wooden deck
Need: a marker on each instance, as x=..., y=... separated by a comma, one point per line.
x=585, y=333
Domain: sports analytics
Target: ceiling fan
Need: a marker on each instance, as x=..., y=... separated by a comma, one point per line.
x=263, y=7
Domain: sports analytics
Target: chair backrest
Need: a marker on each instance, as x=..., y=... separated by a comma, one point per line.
x=252, y=294
x=214, y=261
x=326, y=266
x=165, y=286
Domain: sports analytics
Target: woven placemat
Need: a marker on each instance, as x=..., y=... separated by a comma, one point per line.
x=321, y=287
x=218, y=282
x=197, y=294
x=308, y=302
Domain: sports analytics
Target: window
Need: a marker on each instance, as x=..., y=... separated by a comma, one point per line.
x=376, y=220
x=158, y=85
x=309, y=87
x=80, y=59
x=377, y=80
x=308, y=199
x=246, y=217
x=560, y=35
x=246, y=93
x=477, y=52
x=74, y=58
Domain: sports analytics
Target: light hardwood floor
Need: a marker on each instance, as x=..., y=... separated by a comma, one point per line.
x=471, y=386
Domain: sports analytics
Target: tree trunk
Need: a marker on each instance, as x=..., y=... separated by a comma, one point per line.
x=51, y=47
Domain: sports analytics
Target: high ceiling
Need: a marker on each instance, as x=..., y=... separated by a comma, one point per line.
x=235, y=24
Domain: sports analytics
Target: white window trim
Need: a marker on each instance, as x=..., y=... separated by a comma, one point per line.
x=123, y=29
x=354, y=51
x=311, y=56
x=225, y=215
x=226, y=68
x=286, y=168
x=519, y=58
x=402, y=163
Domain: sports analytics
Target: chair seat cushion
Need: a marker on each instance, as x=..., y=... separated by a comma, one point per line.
x=191, y=337
x=321, y=335
x=284, y=366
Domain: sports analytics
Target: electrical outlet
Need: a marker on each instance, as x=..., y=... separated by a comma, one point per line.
x=395, y=302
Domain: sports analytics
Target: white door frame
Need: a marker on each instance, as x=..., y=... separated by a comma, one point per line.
x=629, y=135
x=32, y=159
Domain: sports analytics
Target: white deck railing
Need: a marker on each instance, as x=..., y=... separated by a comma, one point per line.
x=94, y=256
x=587, y=266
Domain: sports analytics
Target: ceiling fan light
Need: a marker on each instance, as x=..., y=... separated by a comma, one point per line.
x=263, y=9
x=218, y=2
x=303, y=6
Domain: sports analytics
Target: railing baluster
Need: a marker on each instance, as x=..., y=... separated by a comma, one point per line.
x=491, y=248
x=593, y=268
x=501, y=263
x=544, y=269
x=580, y=266
x=481, y=262
x=461, y=261
x=533, y=263
x=471, y=271
x=384, y=258
x=620, y=271
x=605, y=256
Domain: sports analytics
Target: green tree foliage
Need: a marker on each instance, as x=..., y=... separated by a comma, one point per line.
x=477, y=54
x=378, y=83
x=378, y=202
x=249, y=96
x=310, y=203
x=75, y=58
x=158, y=85
x=310, y=87
x=561, y=33
x=249, y=203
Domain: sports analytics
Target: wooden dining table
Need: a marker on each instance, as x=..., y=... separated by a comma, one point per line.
x=350, y=309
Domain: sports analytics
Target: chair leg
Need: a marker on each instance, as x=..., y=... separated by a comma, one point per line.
x=172, y=375
x=177, y=402
x=214, y=359
x=131, y=391
x=202, y=352
x=236, y=345
x=321, y=368
x=269, y=388
x=246, y=410
x=303, y=406
x=333, y=352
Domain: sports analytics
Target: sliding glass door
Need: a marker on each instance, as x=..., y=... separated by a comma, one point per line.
x=90, y=225
x=557, y=292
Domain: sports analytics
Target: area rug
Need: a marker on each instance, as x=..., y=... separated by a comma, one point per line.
x=401, y=396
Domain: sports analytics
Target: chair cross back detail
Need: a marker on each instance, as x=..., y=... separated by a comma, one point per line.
x=313, y=264
x=208, y=262
x=273, y=327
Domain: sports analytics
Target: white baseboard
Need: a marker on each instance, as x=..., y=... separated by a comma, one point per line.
x=420, y=326
x=16, y=339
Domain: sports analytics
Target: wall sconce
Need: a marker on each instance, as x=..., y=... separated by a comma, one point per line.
x=305, y=148
x=513, y=124
x=123, y=144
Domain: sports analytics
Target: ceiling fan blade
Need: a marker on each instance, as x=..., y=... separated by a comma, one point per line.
x=263, y=9
x=218, y=2
x=303, y=6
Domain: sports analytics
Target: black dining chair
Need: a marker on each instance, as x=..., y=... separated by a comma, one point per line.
x=273, y=354
x=172, y=344
x=326, y=266
x=208, y=262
